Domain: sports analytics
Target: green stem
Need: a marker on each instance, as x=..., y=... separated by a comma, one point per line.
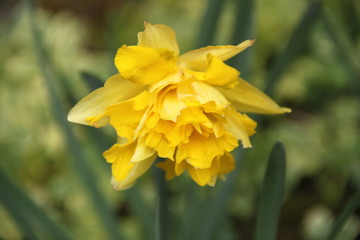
x=213, y=217
x=162, y=218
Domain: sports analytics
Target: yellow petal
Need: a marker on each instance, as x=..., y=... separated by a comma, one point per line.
x=193, y=115
x=227, y=164
x=218, y=73
x=169, y=167
x=197, y=59
x=116, y=89
x=124, y=171
x=120, y=156
x=205, y=93
x=170, y=79
x=137, y=171
x=171, y=106
x=241, y=126
x=143, y=65
x=228, y=142
x=152, y=139
x=170, y=135
x=164, y=149
x=247, y=98
x=142, y=151
x=180, y=167
x=220, y=166
x=158, y=36
x=200, y=151
x=200, y=176
x=133, y=110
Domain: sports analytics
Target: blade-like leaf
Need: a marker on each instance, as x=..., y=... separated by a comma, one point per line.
x=80, y=164
x=346, y=49
x=30, y=219
x=349, y=209
x=209, y=23
x=92, y=81
x=297, y=41
x=272, y=194
x=243, y=30
x=11, y=21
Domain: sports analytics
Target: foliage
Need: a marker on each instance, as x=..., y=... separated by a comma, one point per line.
x=318, y=79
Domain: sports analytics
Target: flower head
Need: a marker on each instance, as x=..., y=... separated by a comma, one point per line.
x=188, y=109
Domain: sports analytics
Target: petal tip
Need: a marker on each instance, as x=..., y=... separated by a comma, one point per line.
x=286, y=110
x=74, y=116
x=69, y=117
x=147, y=24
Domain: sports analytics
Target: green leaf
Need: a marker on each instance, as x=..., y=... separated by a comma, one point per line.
x=272, y=195
x=11, y=21
x=82, y=166
x=209, y=23
x=243, y=30
x=92, y=81
x=346, y=49
x=30, y=219
x=349, y=209
x=297, y=41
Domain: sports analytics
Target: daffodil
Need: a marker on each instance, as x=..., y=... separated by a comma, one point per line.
x=188, y=109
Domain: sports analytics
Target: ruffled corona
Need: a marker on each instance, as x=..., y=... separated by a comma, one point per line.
x=188, y=109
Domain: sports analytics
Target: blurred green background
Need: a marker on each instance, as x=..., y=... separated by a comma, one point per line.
x=307, y=57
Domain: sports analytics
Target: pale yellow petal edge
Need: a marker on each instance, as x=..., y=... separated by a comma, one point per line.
x=116, y=89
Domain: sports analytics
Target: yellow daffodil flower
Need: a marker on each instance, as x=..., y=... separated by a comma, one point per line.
x=188, y=109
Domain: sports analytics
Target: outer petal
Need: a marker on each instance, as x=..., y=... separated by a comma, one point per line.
x=247, y=98
x=137, y=171
x=169, y=167
x=227, y=164
x=241, y=126
x=143, y=65
x=218, y=73
x=124, y=169
x=116, y=89
x=200, y=176
x=158, y=36
x=142, y=151
x=197, y=59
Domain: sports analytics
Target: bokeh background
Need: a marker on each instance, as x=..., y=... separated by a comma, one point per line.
x=307, y=57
